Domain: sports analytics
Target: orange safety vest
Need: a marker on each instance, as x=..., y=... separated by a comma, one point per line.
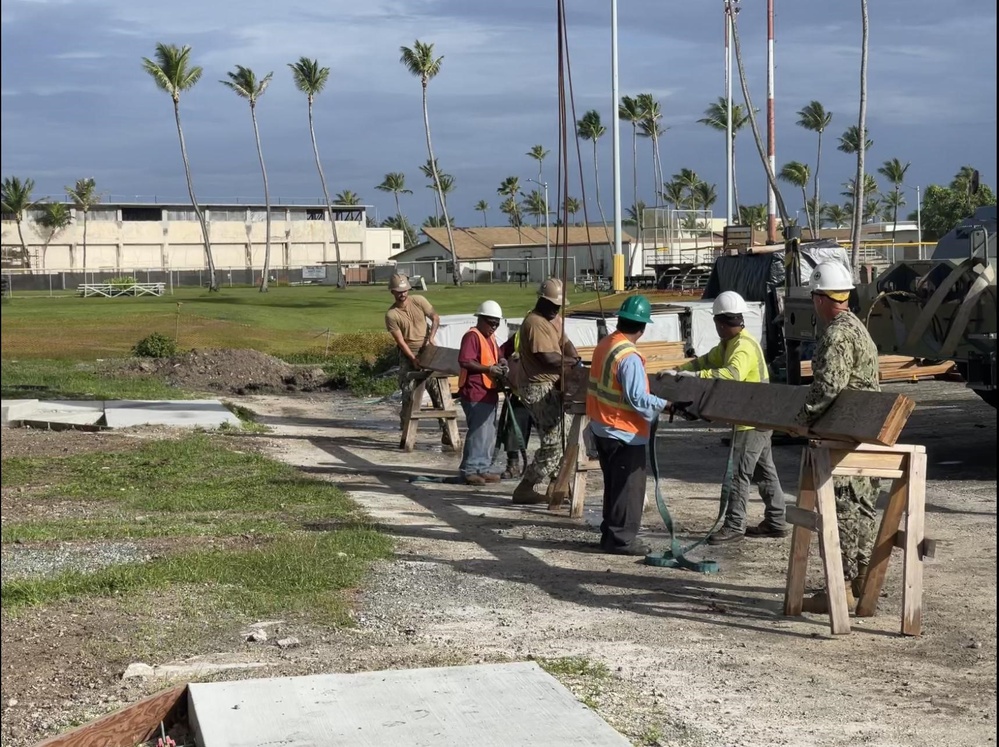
x=488, y=356
x=605, y=402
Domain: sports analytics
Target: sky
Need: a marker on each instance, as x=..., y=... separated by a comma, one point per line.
x=76, y=102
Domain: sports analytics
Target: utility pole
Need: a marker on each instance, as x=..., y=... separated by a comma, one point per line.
x=771, y=135
x=619, y=270
x=919, y=224
x=730, y=208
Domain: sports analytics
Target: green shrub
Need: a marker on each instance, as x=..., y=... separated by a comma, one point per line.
x=121, y=282
x=155, y=346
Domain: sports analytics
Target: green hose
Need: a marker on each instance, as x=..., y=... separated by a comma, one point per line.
x=676, y=556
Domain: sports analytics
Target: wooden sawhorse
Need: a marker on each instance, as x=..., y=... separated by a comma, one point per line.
x=570, y=483
x=816, y=512
x=411, y=418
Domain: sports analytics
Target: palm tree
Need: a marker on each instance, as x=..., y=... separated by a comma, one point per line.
x=870, y=188
x=571, y=206
x=674, y=193
x=704, y=195
x=862, y=143
x=510, y=189
x=629, y=110
x=55, y=217
x=243, y=82
x=420, y=61
x=894, y=171
x=395, y=182
x=835, y=214
x=798, y=175
x=753, y=215
x=538, y=153
x=534, y=205
x=687, y=180
x=651, y=128
x=814, y=118
x=347, y=198
x=434, y=221
x=173, y=73
x=16, y=199
x=850, y=139
x=401, y=223
x=635, y=213
x=84, y=196
x=716, y=117
x=483, y=207
x=590, y=128
x=311, y=79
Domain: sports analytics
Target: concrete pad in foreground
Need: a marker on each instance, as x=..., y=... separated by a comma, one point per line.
x=506, y=705
x=184, y=413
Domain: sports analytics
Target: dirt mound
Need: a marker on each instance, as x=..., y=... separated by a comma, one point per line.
x=238, y=372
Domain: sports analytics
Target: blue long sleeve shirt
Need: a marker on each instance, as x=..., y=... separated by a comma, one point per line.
x=634, y=384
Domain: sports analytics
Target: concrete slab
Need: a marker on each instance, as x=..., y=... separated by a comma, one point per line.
x=191, y=413
x=505, y=705
x=39, y=413
x=15, y=409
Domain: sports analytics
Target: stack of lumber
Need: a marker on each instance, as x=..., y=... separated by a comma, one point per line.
x=899, y=368
x=855, y=417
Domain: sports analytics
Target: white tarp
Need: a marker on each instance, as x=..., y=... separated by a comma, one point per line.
x=454, y=326
x=702, y=326
x=583, y=332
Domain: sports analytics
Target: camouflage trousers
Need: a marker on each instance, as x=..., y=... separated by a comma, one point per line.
x=544, y=400
x=856, y=511
x=407, y=385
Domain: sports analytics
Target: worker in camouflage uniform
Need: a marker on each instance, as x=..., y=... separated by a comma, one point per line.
x=543, y=353
x=845, y=358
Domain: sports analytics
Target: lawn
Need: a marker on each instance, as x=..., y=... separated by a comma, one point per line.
x=282, y=541
x=285, y=320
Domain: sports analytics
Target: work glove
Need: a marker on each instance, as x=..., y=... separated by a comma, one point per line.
x=497, y=371
x=685, y=374
x=677, y=374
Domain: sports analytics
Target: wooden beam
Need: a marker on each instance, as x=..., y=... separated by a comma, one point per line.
x=855, y=416
x=133, y=724
x=800, y=517
x=440, y=359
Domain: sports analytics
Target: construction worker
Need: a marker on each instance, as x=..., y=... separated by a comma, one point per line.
x=543, y=355
x=478, y=391
x=845, y=358
x=621, y=409
x=739, y=357
x=406, y=321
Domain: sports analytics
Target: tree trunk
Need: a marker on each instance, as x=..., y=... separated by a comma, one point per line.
x=858, y=186
x=398, y=209
x=894, y=223
x=815, y=195
x=85, y=245
x=485, y=223
x=341, y=279
x=267, y=204
x=757, y=138
x=24, y=246
x=600, y=209
x=808, y=216
x=735, y=182
x=213, y=283
x=456, y=275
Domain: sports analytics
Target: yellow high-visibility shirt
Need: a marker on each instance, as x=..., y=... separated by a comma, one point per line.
x=738, y=359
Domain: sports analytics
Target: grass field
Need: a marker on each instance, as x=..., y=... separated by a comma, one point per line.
x=286, y=320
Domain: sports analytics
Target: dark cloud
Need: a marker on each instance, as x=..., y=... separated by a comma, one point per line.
x=76, y=102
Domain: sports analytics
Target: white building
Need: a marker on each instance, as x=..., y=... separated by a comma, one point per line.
x=143, y=236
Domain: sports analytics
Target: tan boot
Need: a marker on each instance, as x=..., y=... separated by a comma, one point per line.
x=857, y=585
x=818, y=603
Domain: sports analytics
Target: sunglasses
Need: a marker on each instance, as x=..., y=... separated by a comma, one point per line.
x=492, y=322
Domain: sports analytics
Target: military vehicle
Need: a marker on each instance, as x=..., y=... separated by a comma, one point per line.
x=937, y=309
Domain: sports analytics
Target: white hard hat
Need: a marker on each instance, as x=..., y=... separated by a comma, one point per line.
x=831, y=276
x=729, y=302
x=490, y=309
x=399, y=282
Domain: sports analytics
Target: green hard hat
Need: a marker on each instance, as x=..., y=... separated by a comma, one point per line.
x=636, y=309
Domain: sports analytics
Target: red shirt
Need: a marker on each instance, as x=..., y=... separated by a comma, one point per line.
x=474, y=390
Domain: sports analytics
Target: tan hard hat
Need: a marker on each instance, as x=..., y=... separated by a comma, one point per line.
x=399, y=282
x=551, y=290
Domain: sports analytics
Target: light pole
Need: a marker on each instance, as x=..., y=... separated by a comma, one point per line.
x=619, y=269
x=919, y=221
x=548, y=241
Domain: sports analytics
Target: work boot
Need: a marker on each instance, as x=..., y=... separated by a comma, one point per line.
x=857, y=584
x=818, y=603
x=490, y=479
x=525, y=494
x=768, y=530
x=725, y=534
x=635, y=548
x=474, y=480
x=512, y=469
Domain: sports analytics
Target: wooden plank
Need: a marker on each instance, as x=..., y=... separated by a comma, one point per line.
x=829, y=548
x=890, y=474
x=440, y=359
x=867, y=460
x=657, y=349
x=865, y=417
x=912, y=577
x=899, y=368
x=560, y=489
x=131, y=725
x=801, y=539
